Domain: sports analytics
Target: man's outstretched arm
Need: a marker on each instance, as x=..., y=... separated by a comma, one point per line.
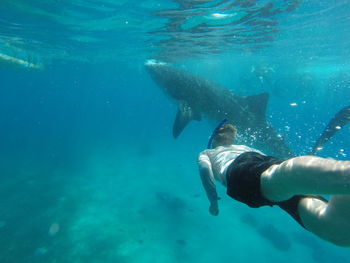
x=208, y=182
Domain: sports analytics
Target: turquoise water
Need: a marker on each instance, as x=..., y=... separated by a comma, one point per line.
x=90, y=171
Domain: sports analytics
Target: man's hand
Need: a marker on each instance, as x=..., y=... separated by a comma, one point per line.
x=214, y=209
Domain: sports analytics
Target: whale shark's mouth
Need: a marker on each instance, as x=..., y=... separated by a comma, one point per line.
x=153, y=62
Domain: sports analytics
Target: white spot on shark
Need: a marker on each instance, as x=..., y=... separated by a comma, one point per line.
x=153, y=62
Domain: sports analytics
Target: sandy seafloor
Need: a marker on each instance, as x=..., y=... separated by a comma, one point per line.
x=91, y=173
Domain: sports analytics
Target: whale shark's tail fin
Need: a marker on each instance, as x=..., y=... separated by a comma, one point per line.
x=336, y=123
x=257, y=104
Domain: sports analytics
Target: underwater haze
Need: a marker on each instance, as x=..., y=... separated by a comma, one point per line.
x=89, y=168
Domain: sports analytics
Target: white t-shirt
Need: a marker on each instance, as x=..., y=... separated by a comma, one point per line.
x=213, y=164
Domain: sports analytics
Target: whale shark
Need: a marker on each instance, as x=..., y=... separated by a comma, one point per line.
x=199, y=98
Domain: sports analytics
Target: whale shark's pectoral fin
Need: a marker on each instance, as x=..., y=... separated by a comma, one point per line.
x=184, y=115
x=257, y=104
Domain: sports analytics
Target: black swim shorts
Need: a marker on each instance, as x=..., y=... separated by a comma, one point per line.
x=243, y=178
x=243, y=183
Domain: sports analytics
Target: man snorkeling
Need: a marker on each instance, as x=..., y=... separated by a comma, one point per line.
x=295, y=185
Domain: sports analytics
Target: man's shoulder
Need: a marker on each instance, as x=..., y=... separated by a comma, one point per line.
x=232, y=147
x=240, y=146
x=225, y=147
x=245, y=148
x=203, y=153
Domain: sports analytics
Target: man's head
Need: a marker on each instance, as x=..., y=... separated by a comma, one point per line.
x=225, y=135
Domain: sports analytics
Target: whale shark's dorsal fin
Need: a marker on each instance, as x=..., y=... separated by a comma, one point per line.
x=257, y=104
x=184, y=115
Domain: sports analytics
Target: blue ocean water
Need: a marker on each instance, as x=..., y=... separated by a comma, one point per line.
x=90, y=171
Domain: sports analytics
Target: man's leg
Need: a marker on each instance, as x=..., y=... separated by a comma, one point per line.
x=306, y=175
x=329, y=221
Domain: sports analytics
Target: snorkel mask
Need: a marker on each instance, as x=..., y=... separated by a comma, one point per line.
x=214, y=132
